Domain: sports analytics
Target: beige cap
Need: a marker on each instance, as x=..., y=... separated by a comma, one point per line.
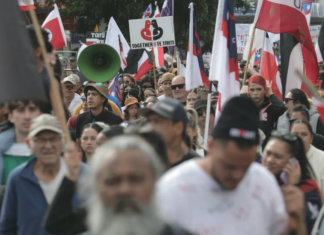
x=69, y=79
x=45, y=122
x=167, y=77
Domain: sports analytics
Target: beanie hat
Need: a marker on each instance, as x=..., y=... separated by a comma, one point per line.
x=239, y=120
x=257, y=79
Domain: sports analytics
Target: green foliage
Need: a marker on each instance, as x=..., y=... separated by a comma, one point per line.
x=90, y=12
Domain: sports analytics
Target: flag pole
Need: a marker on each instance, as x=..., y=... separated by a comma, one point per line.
x=249, y=55
x=154, y=70
x=261, y=59
x=207, y=116
x=55, y=97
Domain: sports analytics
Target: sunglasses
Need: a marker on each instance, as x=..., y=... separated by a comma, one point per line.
x=145, y=87
x=69, y=87
x=287, y=100
x=180, y=86
x=200, y=112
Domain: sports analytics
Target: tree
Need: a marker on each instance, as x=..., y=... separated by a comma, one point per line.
x=89, y=13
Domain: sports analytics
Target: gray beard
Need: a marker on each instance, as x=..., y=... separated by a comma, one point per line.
x=103, y=221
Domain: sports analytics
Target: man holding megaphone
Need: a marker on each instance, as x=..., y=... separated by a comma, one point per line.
x=96, y=95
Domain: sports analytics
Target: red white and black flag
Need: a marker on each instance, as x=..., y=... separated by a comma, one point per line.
x=288, y=16
x=269, y=69
x=23, y=4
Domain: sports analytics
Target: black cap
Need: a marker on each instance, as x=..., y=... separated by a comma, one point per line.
x=239, y=120
x=34, y=40
x=168, y=108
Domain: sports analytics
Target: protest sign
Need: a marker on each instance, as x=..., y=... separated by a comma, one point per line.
x=242, y=35
x=153, y=32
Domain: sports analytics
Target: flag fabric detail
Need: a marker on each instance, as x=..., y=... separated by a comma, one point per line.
x=148, y=12
x=224, y=67
x=285, y=16
x=167, y=10
x=53, y=23
x=195, y=72
x=269, y=69
x=23, y=4
x=116, y=39
x=114, y=88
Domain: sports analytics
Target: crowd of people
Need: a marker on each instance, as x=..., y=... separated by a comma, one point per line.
x=139, y=166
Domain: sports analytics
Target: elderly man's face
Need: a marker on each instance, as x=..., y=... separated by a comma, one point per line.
x=47, y=147
x=126, y=182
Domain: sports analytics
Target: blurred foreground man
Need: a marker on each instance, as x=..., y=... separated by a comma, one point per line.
x=226, y=192
x=120, y=191
x=32, y=186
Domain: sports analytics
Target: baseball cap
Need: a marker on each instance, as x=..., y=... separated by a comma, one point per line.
x=44, y=122
x=200, y=104
x=69, y=79
x=168, y=108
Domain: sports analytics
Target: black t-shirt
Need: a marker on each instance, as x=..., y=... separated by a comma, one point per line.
x=187, y=157
x=105, y=116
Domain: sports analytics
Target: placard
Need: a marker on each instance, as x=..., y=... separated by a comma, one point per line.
x=152, y=32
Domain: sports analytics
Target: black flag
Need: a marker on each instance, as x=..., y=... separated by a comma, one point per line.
x=321, y=40
x=19, y=78
x=291, y=59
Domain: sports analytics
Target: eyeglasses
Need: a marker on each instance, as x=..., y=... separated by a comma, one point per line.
x=180, y=86
x=288, y=99
x=145, y=87
x=69, y=87
x=53, y=140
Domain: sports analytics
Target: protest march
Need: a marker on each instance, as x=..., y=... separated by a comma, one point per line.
x=131, y=132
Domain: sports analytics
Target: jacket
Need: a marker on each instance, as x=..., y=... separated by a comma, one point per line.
x=271, y=109
x=316, y=160
x=7, y=138
x=314, y=120
x=61, y=218
x=105, y=116
x=24, y=204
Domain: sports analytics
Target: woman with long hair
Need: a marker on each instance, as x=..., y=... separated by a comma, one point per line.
x=131, y=109
x=193, y=133
x=88, y=140
x=303, y=129
x=285, y=157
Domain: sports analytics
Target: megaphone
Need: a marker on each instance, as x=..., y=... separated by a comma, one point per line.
x=99, y=62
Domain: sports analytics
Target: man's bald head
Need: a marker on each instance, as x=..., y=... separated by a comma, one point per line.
x=178, y=87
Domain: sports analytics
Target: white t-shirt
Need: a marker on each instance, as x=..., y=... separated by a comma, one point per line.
x=162, y=97
x=190, y=198
x=75, y=102
x=50, y=189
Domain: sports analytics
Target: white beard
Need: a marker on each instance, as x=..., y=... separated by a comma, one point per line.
x=103, y=221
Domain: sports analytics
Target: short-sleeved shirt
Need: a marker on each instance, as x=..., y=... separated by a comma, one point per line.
x=190, y=198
